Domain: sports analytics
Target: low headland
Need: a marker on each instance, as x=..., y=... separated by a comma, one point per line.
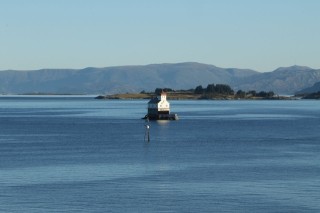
x=211, y=92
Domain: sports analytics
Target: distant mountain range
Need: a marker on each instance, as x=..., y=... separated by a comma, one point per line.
x=122, y=79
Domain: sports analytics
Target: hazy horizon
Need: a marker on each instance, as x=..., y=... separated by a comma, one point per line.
x=129, y=65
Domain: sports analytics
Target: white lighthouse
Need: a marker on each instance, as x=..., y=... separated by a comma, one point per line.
x=159, y=108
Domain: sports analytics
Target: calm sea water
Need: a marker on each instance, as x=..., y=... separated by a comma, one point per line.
x=78, y=154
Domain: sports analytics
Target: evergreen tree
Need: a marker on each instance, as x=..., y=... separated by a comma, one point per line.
x=210, y=88
x=199, y=90
x=241, y=94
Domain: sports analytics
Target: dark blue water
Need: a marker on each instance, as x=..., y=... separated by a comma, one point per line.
x=78, y=154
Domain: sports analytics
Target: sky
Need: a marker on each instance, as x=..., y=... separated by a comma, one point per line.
x=256, y=34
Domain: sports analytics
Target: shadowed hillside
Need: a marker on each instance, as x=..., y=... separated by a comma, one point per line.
x=284, y=80
x=116, y=79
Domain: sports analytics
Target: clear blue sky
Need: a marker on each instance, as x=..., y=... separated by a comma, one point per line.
x=257, y=34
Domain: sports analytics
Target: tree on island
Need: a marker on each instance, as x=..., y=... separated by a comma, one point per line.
x=264, y=94
x=199, y=90
x=224, y=89
x=241, y=94
x=214, y=89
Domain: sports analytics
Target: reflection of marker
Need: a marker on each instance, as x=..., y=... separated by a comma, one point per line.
x=147, y=134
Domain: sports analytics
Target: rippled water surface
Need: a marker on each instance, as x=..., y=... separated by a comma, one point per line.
x=78, y=154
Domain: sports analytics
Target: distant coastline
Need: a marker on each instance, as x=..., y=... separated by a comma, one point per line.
x=211, y=92
x=189, y=96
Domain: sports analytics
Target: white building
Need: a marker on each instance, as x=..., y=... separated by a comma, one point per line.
x=158, y=106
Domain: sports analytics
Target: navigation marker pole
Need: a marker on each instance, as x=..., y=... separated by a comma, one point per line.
x=147, y=134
